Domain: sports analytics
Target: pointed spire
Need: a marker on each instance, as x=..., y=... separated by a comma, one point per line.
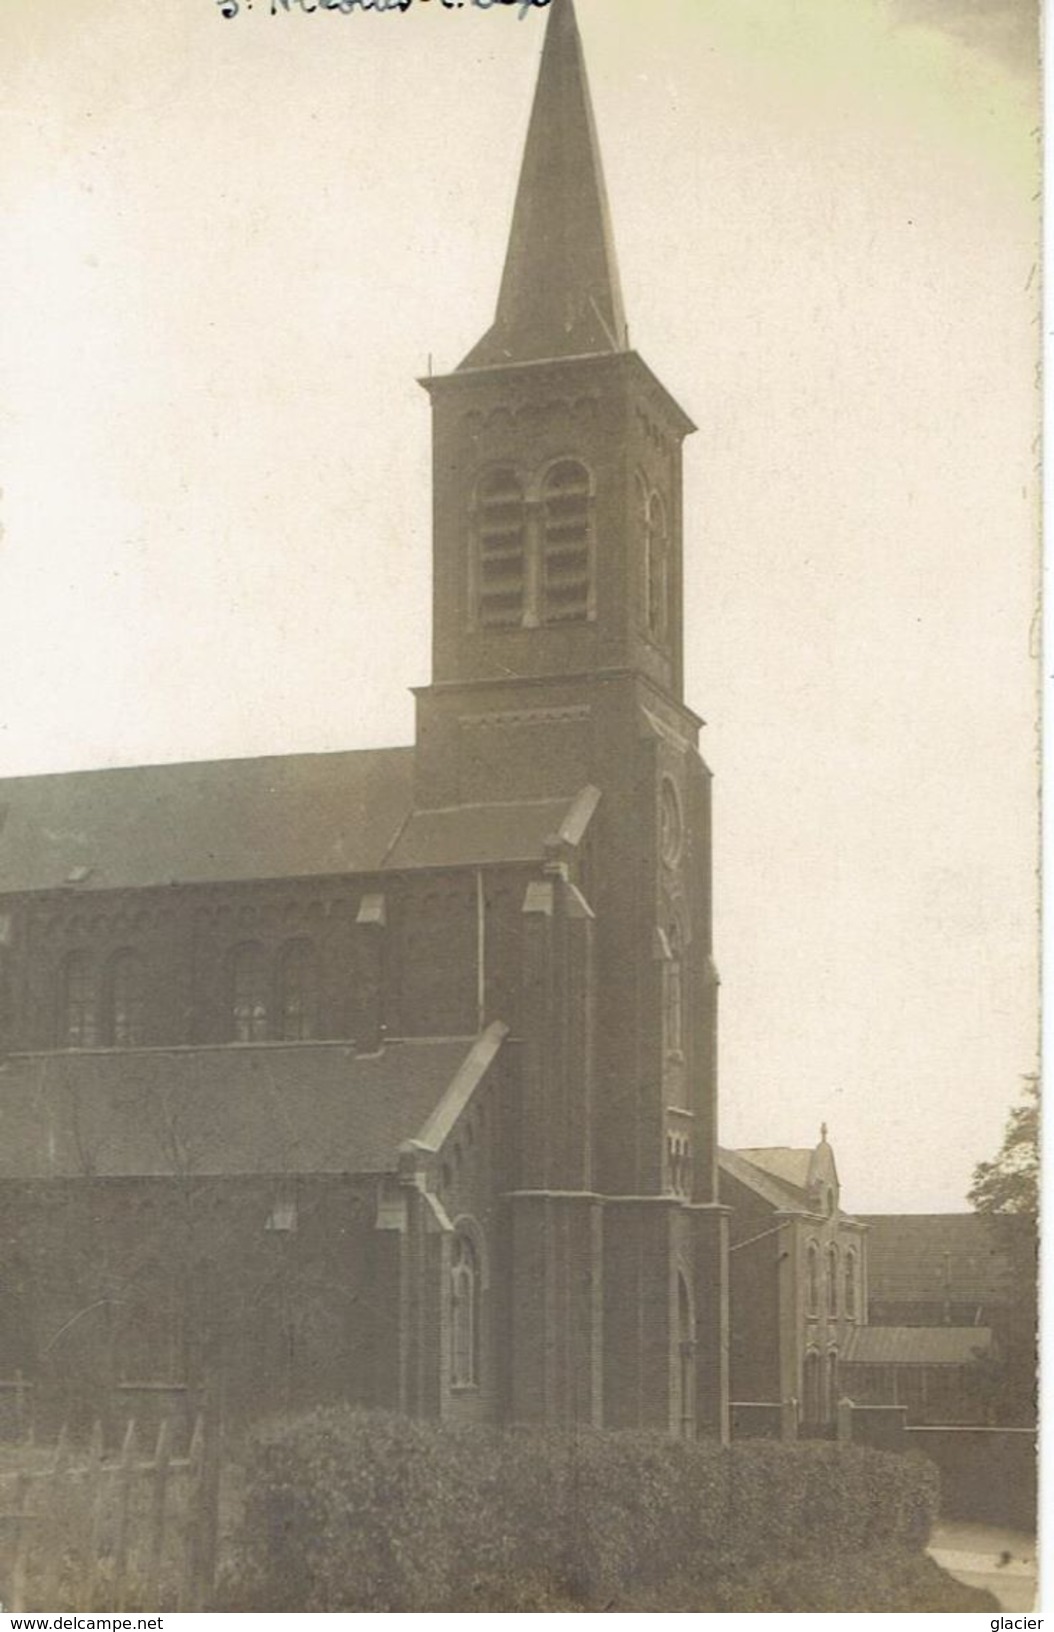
x=560, y=294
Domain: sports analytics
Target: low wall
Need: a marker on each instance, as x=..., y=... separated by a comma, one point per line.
x=879, y=1427
x=987, y=1474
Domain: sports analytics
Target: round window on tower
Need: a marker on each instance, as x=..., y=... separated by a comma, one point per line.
x=671, y=823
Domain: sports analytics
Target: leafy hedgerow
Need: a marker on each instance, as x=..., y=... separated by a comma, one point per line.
x=347, y=1510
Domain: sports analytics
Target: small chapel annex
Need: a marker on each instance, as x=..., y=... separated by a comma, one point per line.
x=390, y=1076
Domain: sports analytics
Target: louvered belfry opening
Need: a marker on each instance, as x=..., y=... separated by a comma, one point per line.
x=567, y=544
x=501, y=526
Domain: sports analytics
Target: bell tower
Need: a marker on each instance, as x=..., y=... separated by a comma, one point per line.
x=557, y=470
x=558, y=669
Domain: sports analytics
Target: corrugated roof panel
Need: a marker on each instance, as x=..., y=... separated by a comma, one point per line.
x=933, y=1257
x=916, y=1345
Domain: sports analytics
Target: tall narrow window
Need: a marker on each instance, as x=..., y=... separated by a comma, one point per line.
x=831, y=1386
x=850, y=1285
x=78, y=1003
x=812, y=1280
x=832, y=1280
x=657, y=569
x=298, y=993
x=501, y=546
x=673, y=1007
x=567, y=544
x=249, y=994
x=126, y=1001
x=464, y=1314
x=813, y=1381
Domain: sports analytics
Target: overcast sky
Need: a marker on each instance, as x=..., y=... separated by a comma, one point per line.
x=231, y=246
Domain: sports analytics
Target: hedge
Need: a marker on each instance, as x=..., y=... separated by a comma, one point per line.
x=352, y=1511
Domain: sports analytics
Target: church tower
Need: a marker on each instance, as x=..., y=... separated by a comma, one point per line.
x=558, y=670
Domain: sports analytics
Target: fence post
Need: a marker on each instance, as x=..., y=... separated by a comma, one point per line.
x=202, y=1517
x=94, y=1511
x=188, y=1575
x=21, y=1517
x=211, y=1470
x=845, y=1422
x=125, y=1475
x=54, y=1508
x=21, y=1425
x=162, y=1456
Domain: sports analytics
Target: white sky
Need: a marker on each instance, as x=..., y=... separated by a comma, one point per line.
x=230, y=247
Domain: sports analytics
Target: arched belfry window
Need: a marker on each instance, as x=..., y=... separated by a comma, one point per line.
x=532, y=561
x=501, y=550
x=77, y=1003
x=567, y=545
x=464, y=1312
x=298, y=992
x=657, y=569
x=249, y=994
x=126, y=1001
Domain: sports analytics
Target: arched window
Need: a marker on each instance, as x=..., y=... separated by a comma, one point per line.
x=832, y=1280
x=656, y=569
x=77, y=1018
x=249, y=994
x=464, y=1313
x=850, y=1285
x=812, y=1280
x=673, y=1006
x=679, y=1165
x=298, y=993
x=125, y=1001
x=501, y=550
x=831, y=1386
x=813, y=1389
x=567, y=546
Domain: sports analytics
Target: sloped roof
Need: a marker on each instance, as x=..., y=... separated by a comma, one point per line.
x=297, y=1108
x=480, y=834
x=297, y=816
x=916, y=1345
x=739, y=1165
x=790, y=1166
x=930, y=1257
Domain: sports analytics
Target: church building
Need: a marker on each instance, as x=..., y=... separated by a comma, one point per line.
x=390, y=1076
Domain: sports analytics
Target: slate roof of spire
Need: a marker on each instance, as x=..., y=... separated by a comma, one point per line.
x=560, y=294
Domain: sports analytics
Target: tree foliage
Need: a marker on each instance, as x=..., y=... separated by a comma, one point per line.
x=1010, y=1183
x=1006, y=1191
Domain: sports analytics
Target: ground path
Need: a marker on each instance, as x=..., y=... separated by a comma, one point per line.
x=1002, y=1561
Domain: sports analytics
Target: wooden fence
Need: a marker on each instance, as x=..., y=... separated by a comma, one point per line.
x=90, y=1531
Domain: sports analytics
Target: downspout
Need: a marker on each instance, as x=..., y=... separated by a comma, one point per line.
x=481, y=954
